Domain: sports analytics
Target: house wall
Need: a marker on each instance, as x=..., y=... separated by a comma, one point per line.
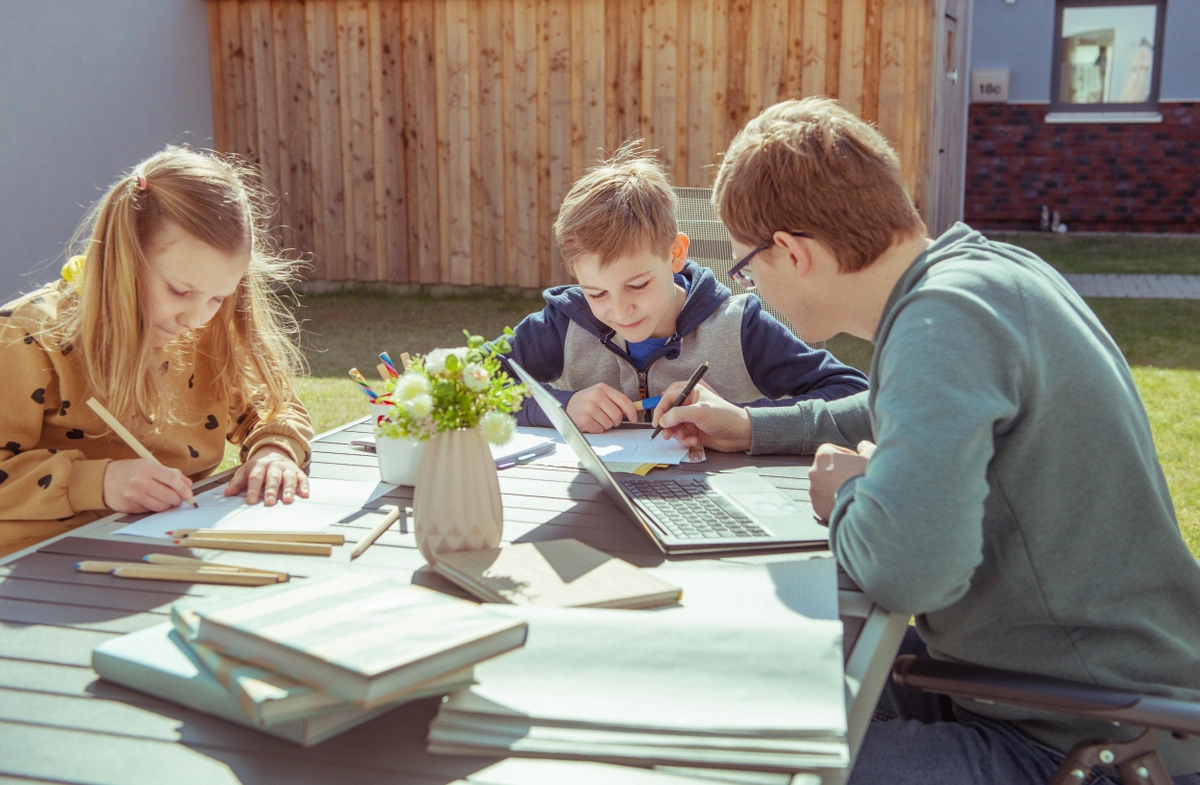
x=1100, y=176
x=88, y=89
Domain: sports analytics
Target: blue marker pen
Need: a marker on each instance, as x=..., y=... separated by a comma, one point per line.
x=648, y=403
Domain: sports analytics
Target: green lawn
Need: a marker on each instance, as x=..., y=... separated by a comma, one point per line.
x=347, y=330
x=1110, y=254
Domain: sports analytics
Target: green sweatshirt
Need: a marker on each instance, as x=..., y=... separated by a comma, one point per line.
x=1015, y=504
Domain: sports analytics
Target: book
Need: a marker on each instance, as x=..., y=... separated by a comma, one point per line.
x=521, y=447
x=562, y=573
x=157, y=662
x=360, y=636
x=270, y=699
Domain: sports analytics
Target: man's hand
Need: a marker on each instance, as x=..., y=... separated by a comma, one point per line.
x=600, y=407
x=270, y=474
x=704, y=418
x=832, y=466
x=139, y=485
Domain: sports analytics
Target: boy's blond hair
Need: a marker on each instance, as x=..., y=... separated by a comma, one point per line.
x=216, y=200
x=622, y=205
x=812, y=166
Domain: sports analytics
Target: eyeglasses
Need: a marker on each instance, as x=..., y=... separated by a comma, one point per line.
x=740, y=272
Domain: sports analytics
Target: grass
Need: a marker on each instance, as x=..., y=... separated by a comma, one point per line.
x=345, y=330
x=1111, y=254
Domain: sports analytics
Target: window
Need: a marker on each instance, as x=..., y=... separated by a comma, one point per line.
x=1107, y=56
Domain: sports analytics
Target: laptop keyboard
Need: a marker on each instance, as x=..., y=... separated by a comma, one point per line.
x=690, y=510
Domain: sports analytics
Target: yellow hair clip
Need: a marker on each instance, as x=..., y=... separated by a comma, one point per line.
x=72, y=272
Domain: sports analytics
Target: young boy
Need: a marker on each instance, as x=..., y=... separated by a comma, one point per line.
x=642, y=316
x=1014, y=504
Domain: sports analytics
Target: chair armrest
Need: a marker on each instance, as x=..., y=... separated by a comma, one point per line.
x=1043, y=692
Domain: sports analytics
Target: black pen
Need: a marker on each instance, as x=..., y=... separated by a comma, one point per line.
x=685, y=392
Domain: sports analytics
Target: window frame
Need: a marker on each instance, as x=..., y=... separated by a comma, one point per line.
x=1058, y=106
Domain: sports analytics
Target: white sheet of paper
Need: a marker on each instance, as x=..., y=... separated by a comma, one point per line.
x=329, y=501
x=630, y=445
x=803, y=585
x=609, y=669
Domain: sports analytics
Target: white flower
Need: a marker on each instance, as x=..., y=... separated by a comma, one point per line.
x=410, y=385
x=419, y=407
x=497, y=427
x=476, y=377
x=435, y=361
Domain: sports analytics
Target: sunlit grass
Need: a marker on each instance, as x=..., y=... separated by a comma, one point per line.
x=1145, y=254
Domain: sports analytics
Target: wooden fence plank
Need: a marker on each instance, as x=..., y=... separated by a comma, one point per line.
x=456, y=144
x=775, y=51
x=595, y=62
x=850, y=69
x=682, y=47
x=891, y=73
x=793, y=87
x=632, y=54
x=720, y=82
x=421, y=146
x=833, y=46
x=699, y=105
x=488, y=144
x=663, y=113
x=737, y=101
x=558, y=36
x=291, y=111
x=326, y=149
x=523, y=263
x=872, y=60
x=235, y=78
x=216, y=66
x=812, y=80
x=546, y=252
x=253, y=150
x=388, y=115
x=354, y=82
x=262, y=40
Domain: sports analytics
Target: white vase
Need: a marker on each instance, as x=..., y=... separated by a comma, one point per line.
x=456, y=502
x=399, y=460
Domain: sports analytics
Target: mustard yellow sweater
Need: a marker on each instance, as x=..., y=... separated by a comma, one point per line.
x=54, y=448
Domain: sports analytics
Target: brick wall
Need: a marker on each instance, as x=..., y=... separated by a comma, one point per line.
x=1135, y=177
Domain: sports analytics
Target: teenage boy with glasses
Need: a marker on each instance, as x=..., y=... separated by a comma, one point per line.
x=1014, y=503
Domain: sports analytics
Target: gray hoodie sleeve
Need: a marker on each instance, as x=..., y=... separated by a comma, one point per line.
x=801, y=428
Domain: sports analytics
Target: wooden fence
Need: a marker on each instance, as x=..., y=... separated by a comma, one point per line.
x=431, y=141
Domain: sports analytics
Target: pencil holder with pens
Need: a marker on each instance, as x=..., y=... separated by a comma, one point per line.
x=399, y=458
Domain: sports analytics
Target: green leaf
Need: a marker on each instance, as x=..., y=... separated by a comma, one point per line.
x=452, y=364
x=474, y=341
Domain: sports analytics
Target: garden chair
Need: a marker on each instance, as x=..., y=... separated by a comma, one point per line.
x=1137, y=762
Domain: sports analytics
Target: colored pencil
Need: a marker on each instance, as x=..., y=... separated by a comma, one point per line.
x=267, y=536
x=258, y=546
x=375, y=533
x=383, y=372
x=109, y=566
x=387, y=361
x=150, y=572
x=130, y=439
x=362, y=383
x=187, y=561
x=405, y=360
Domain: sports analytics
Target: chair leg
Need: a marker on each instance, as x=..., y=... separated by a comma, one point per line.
x=1137, y=762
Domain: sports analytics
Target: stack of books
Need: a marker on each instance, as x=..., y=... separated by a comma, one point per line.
x=672, y=688
x=310, y=659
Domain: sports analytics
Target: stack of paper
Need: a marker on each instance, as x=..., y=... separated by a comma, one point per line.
x=309, y=659
x=658, y=688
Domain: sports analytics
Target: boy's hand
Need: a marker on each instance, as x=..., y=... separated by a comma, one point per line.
x=272, y=474
x=832, y=466
x=599, y=408
x=704, y=418
x=139, y=485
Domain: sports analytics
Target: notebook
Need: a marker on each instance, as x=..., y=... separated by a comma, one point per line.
x=696, y=513
x=270, y=699
x=360, y=636
x=157, y=662
x=562, y=573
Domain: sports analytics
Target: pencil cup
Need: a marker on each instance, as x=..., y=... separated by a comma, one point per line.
x=399, y=460
x=378, y=410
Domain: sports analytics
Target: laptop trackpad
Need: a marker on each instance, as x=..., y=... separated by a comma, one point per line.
x=771, y=509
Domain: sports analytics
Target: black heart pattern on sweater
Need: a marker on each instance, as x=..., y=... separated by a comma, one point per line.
x=193, y=452
x=74, y=433
x=28, y=339
x=39, y=395
x=191, y=379
x=3, y=476
x=12, y=447
x=212, y=423
x=63, y=411
x=45, y=481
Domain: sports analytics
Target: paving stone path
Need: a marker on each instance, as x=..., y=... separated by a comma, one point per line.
x=1170, y=287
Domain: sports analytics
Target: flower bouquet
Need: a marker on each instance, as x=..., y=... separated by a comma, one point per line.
x=457, y=400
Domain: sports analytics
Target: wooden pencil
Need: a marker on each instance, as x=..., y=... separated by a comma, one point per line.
x=375, y=533
x=187, y=561
x=153, y=572
x=264, y=536
x=405, y=360
x=130, y=439
x=109, y=566
x=259, y=546
x=383, y=372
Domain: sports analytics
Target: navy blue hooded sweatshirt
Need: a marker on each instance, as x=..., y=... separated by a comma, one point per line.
x=753, y=359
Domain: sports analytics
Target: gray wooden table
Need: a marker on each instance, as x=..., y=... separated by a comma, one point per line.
x=59, y=723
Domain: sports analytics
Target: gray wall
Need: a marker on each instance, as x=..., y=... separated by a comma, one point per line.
x=87, y=90
x=1020, y=37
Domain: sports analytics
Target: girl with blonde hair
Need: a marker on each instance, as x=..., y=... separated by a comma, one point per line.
x=168, y=318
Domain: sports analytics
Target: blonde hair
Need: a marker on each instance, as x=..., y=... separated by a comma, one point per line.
x=810, y=165
x=622, y=205
x=214, y=199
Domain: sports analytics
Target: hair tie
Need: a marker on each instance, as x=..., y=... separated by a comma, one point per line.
x=141, y=182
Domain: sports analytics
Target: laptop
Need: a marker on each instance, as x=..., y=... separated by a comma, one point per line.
x=708, y=513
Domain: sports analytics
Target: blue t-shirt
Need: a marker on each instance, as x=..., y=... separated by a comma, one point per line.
x=641, y=351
